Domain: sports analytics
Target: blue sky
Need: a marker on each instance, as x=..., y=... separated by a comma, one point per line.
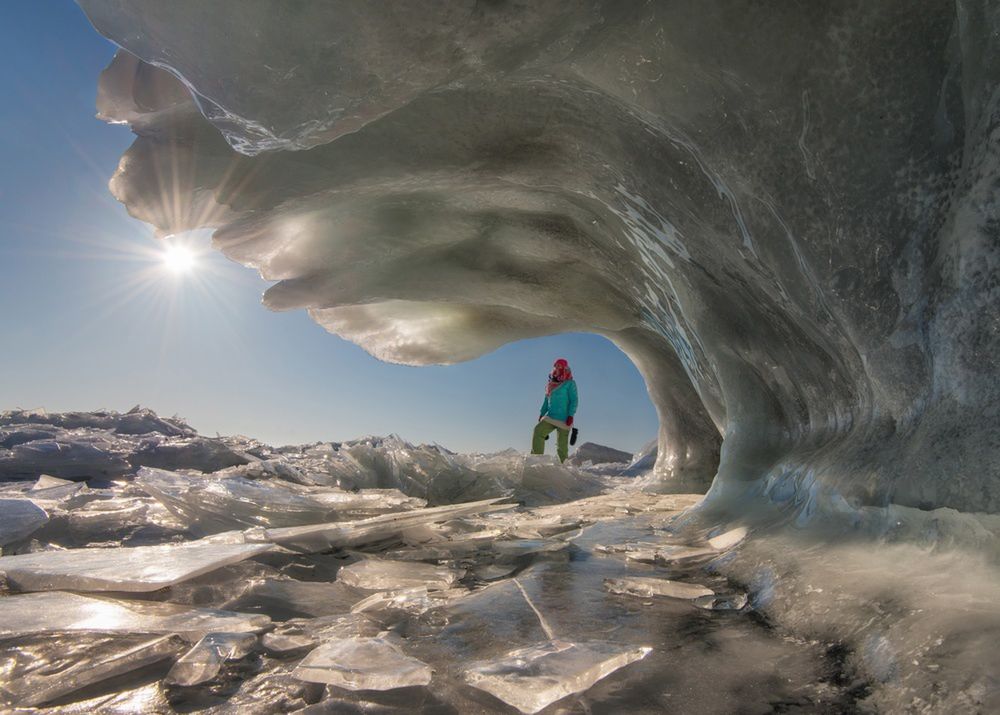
x=90, y=319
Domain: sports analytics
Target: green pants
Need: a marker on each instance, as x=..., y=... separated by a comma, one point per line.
x=538, y=439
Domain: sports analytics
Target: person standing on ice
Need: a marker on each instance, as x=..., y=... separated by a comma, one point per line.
x=558, y=409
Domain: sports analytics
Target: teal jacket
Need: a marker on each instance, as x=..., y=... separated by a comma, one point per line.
x=561, y=403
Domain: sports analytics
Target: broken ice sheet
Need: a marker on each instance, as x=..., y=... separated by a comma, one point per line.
x=532, y=678
x=212, y=504
x=37, y=669
x=414, y=601
x=133, y=569
x=206, y=658
x=69, y=458
x=362, y=664
x=299, y=633
x=646, y=587
x=320, y=537
x=376, y=575
x=651, y=552
x=19, y=518
x=57, y=611
x=282, y=599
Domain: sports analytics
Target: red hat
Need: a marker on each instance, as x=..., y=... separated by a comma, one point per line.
x=561, y=362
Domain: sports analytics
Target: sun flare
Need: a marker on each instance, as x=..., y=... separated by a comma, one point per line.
x=178, y=259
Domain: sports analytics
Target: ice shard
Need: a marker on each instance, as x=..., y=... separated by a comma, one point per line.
x=18, y=519
x=532, y=678
x=207, y=657
x=58, y=611
x=644, y=586
x=299, y=633
x=363, y=664
x=67, y=458
x=138, y=569
x=378, y=574
x=320, y=537
x=35, y=673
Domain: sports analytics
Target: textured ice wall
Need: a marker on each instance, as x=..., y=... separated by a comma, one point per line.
x=785, y=213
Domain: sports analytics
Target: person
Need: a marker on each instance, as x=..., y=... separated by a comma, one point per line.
x=558, y=409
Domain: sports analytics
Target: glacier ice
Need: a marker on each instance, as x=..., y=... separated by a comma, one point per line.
x=532, y=678
x=137, y=569
x=356, y=663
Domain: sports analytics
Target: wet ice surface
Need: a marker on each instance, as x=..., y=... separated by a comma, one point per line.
x=216, y=591
x=540, y=628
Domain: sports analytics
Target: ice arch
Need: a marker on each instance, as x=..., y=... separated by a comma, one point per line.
x=786, y=216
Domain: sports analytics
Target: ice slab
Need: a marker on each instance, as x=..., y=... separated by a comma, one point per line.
x=201, y=453
x=135, y=569
x=212, y=504
x=363, y=664
x=646, y=587
x=103, y=520
x=647, y=552
x=320, y=537
x=411, y=600
x=206, y=658
x=285, y=598
x=377, y=574
x=19, y=518
x=40, y=669
x=299, y=633
x=64, y=457
x=60, y=611
x=729, y=539
x=47, y=481
x=532, y=678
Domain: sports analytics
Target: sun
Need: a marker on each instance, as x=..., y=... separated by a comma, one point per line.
x=178, y=259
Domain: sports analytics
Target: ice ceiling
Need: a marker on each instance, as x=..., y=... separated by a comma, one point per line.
x=785, y=214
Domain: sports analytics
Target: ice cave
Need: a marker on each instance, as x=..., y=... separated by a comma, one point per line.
x=786, y=216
